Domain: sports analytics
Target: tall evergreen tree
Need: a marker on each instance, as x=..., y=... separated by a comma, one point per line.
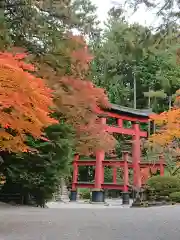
x=129, y=53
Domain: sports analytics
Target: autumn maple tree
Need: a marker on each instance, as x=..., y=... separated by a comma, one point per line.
x=77, y=98
x=24, y=102
x=168, y=126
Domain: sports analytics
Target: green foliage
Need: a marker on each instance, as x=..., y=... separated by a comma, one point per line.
x=175, y=197
x=163, y=186
x=5, y=40
x=117, y=57
x=108, y=175
x=40, y=26
x=38, y=174
x=85, y=13
x=85, y=193
x=132, y=51
x=59, y=147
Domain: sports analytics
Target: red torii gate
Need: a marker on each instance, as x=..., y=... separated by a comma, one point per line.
x=120, y=114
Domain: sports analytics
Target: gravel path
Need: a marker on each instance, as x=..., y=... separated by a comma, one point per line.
x=159, y=223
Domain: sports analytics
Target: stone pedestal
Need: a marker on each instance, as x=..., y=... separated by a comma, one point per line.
x=125, y=198
x=97, y=196
x=73, y=196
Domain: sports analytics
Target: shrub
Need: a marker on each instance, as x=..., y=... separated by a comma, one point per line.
x=175, y=197
x=163, y=186
x=85, y=193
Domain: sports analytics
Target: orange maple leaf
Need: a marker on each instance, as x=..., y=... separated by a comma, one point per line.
x=24, y=102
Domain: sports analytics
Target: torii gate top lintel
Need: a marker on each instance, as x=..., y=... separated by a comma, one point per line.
x=117, y=111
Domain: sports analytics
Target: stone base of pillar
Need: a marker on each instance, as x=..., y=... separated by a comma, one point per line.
x=73, y=196
x=97, y=196
x=125, y=198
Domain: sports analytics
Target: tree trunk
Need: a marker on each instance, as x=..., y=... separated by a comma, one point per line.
x=170, y=102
